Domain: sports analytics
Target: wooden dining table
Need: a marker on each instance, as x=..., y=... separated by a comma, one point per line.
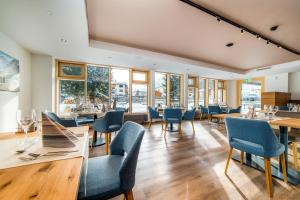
x=54, y=180
x=284, y=123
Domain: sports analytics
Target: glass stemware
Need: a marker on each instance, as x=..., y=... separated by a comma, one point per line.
x=25, y=119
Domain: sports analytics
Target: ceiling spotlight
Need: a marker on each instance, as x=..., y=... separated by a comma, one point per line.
x=49, y=12
x=278, y=46
x=62, y=40
x=219, y=19
x=274, y=28
x=242, y=31
x=268, y=41
x=230, y=44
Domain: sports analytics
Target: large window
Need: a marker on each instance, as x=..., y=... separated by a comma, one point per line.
x=97, y=85
x=211, y=92
x=221, y=92
x=83, y=86
x=120, y=88
x=71, y=95
x=250, y=95
x=160, y=95
x=139, y=91
x=202, y=95
x=192, y=88
x=175, y=85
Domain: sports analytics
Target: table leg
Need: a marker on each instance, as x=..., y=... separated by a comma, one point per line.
x=283, y=139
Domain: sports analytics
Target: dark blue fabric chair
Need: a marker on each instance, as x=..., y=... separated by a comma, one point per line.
x=112, y=175
x=235, y=110
x=63, y=122
x=255, y=137
x=284, y=108
x=172, y=115
x=203, y=111
x=213, y=110
x=153, y=114
x=111, y=122
x=189, y=116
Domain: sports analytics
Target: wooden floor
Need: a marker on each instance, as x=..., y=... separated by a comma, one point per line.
x=191, y=166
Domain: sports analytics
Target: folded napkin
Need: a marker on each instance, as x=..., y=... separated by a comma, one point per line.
x=56, y=135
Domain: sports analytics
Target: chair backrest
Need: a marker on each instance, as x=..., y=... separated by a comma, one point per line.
x=128, y=141
x=283, y=108
x=236, y=110
x=254, y=131
x=214, y=109
x=172, y=113
x=203, y=109
x=189, y=114
x=115, y=117
x=54, y=117
x=152, y=112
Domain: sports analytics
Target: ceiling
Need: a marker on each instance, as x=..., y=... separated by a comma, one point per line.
x=175, y=28
x=41, y=26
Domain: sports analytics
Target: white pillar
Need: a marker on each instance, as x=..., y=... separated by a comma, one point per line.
x=152, y=88
x=185, y=89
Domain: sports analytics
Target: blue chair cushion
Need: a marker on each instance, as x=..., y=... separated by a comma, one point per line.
x=114, y=127
x=254, y=148
x=172, y=120
x=102, y=180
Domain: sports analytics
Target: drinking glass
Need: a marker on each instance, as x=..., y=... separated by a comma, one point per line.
x=290, y=106
x=25, y=119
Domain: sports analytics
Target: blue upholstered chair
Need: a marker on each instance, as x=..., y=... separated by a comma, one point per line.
x=153, y=114
x=203, y=111
x=284, y=108
x=171, y=116
x=212, y=110
x=255, y=137
x=63, y=122
x=189, y=116
x=112, y=175
x=235, y=110
x=111, y=122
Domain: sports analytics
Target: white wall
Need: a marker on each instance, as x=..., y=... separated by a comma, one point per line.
x=277, y=83
x=232, y=93
x=10, y=101
x=294, y=85
x=42, y=82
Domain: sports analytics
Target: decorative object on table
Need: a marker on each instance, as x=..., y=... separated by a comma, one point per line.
x=255, y=137
x=9, y=73
x=55, y=135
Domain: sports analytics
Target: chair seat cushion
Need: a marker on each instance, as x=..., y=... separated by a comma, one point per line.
x=102, y=180
x=173, y=120
x=255, y=149
x=114, y=127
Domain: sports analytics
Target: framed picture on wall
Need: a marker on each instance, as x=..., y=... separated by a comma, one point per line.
x=9, y=73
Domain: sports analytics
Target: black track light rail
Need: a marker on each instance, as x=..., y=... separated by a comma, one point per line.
x=245, y=29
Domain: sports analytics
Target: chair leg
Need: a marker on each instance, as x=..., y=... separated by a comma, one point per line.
x=129, y=195
x=166, y=126
x=228, y=159
x=268, y=176
x=193, y=126
x=179, y=127
x=295, y=155
x=106, y=144
x=242, y=157
x=282, y=160
x=150, y=122
x=162, y=125
x=100, y=134
x=200, y=116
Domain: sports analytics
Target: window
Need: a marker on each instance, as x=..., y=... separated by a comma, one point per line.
x=202, y=96
x=139, y=91
x=160, y=89
x=71, y=70
x=71, y=95
x=120, y=87
x=211, y=92
x=175, y=91
x=250, y=95
x=98, y=85
x=192, y=92
x=221, y=92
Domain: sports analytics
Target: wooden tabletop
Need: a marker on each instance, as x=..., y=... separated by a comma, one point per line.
x=288, y=122
x=49, y=180
x=222, y=116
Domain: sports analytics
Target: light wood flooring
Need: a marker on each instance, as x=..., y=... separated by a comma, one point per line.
x=190, y=166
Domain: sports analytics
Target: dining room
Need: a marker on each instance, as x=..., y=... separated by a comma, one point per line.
x=138, y=99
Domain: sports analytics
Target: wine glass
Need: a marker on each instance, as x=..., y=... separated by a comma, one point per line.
x=25, y=119
x=290, y=106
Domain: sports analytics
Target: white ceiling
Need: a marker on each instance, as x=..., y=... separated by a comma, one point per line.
x=39, y=26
